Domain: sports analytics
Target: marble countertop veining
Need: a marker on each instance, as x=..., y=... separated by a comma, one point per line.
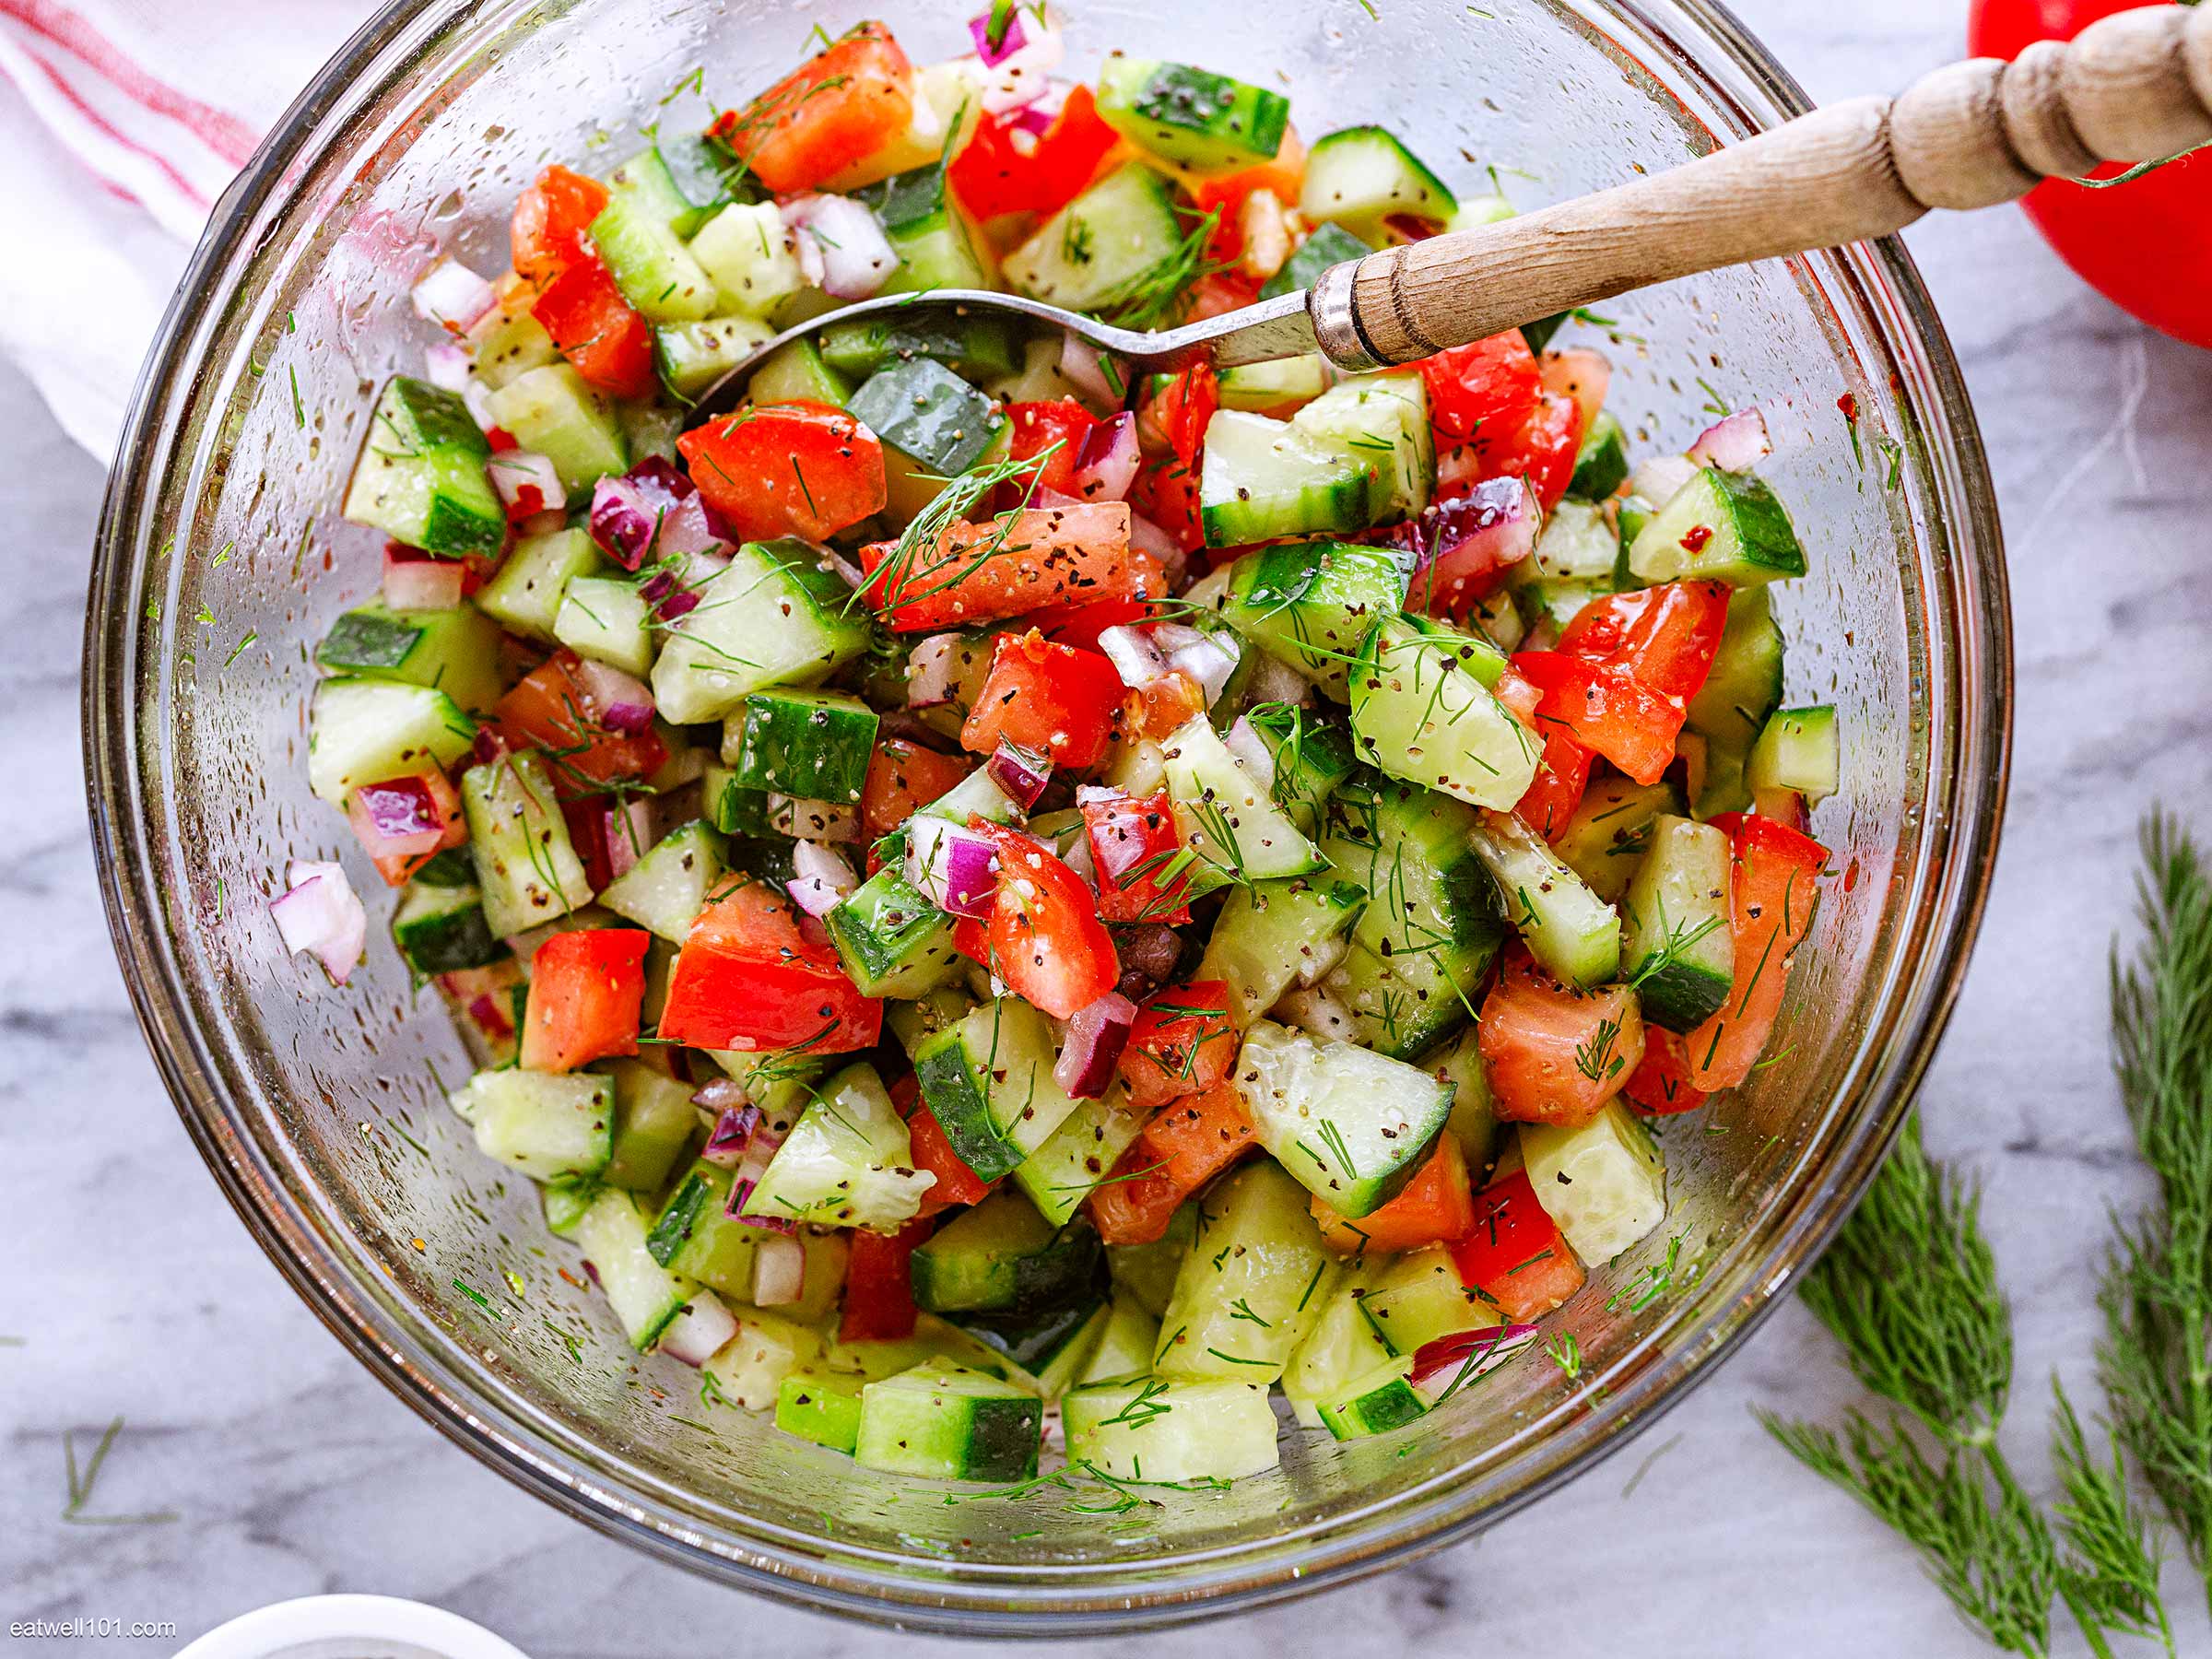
x=135, y=1291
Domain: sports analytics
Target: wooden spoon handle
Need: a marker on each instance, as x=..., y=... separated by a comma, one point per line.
x=2133, y=87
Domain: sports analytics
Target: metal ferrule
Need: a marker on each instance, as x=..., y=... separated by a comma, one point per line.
x=1336, y=321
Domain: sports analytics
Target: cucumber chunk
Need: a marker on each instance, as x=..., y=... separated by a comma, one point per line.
x=1605, y=840
x=645, y=1294
x=1147, y=1272
x=1375, y=1403
x=749, y=1369
x=750, y=256
x=1677, y=947
x=1603, y=1183
x=1264, y=480
x=1309, y=604
x=649, y=262
x=778, y=616
x=527, y=866
x=1340, y=1349
x=607, y=619
x=668, y=887
x=1380, y=421
x=1140, y=1428
x=1100, y=243
x=937, y=244
x=420, y=478
x=555, y=412
x=1081, y=1153
x=1224, y=818
x=1418, y=1298
x=696, y=1236
x=1312, y=757
x=1273, y=934
x=1126, y=1341
x=516, y=344
x=1003, y=1258
x=1201, y=121
x=1423, y=711
x=526, y=594
x=1351, y=1125
x=989, y=1083
x=654, y=1120
x=945, y=1422
x=1044, y=1353
x=1329, y=245
x=442, y=930
x=1732, y=708
x=455, y=651
x=813, y=744
x=1568, y=928
x=892, y=940
x=551, y=1128
x=690, y=356
x=1796, y=750
x=1275, y=387
x=824, y=1410
x=1244, y=1295
x=1720, y=526
x=979, y=348
x=1601, y=465
x=847, y=1162
x=795, y=372
x=363, y=731
x=1363, y=176
x=930, y=413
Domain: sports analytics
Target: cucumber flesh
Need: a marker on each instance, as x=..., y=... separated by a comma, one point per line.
x=1245, y=1295
x=847, y=1162
x=1603, y=1183
x=1720, y=526
x=1141, y=1428
x=1423, y=711
x=363, y=731
x=420, y=476
x=1797, y=750
x=1225, y=816
x=1351, y=1125
x=1363, y=176
x=645, y=1294
x=1100, y=243
x=1380, y=421
x=1677, y=947
x=1264, y=479
x=1201, y=121
x=1309, y=604
x=945, y=1422
x=777, y=616
x=1569, y=930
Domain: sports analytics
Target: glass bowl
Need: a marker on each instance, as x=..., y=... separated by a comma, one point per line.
x=221, y=559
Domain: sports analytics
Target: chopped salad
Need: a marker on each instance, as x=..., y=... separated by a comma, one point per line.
x=983, y=881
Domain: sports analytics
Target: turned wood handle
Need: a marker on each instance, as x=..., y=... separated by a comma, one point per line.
x=2133, y=87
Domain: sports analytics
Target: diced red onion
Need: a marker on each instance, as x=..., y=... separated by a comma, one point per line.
x=1435, y=1364
x=1736, y=442
x=624, y=521
x=734, y=1130
x=933, y=670
x=1657, y=478
x=1021, y=772
x=953, y=867
x=1106, y=464
x=1022, y=76
x=850, y=574
x=452, y=296
x=1046, y=498
x=857, y=258
x=1012, y=41
x=779, y=1272
x=490, y=748
x=420, y=581
x=319, y=912
x=1090, y=1048
x=686, y=527
x=1083, y=366
x=1148, y=953
x=697, y=1333
x=398, y=818
x=760, y=1152
x=629, y=831
x=1209, y=660
x=475, y=397
x=445, y=365
x=527, y=482
x=621, y=701
x=1145, y=536
x=1133, y=653
x=821, y=880
x=1463, y=547
x=1253, y=755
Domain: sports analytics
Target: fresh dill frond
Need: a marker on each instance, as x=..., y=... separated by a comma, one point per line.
x=1154, y=297
x=2110, y=1572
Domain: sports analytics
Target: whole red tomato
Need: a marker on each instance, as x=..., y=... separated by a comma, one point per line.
x=2147, y=245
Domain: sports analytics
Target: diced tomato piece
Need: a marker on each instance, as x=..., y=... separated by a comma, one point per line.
x=586, y=991
x=1579, y=374
x=403, y=823
x=837, y=109
x=1004, y=169
x=1772, y=890
x=1217, y=293
x=1437, y=1206
x=1661, y=1086
x=1009, y=568
x=1082, y=624
x=1541, y=447
x=549, y=709
x=1514, y=1254
x=598, y=330
x=796, y=468
x=879, y=1290
x=1046, y=940
x=1177, y=415
x=1133, y=841
x=971, y=938
x=1051, y=700
x=1548, y=803
x=1167, y=702
x=1190, y=1141
x=1666, y=636
x=552, y=223
x=1055, y=428
x=932, y=1153
x=1555, y=1054
x=748, y=979
x=1183, y=1044
x=903, y=778
x=1481, y=386
x=1166, y=491
x=586, y=819
x=1607, y=710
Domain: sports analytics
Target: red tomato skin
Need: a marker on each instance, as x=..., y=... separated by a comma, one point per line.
x=903, y=778
x=1058, y=425
x=552, y=222
x=1178, y=413
x=2145, y=246
x=747, y=979
x=1539, y=1039
x=1772, y=886
x=1660, y=1087
x=1557, y=790
x=1436, y=1207
x=1666, y=636
x=796, y=468
x=1045, y=556
x=1045, y=937
x=1183, y=1044
x=1166, y=491
x=1191, y=1140
x=1482, y=384
x=1082, y=624
x=1125, y=825
x=879, y=1292
x=957, y=1184
x=1514, y=1254
x=586, y=991
x=598, y=330
x=1050, y=698
x=995, y=172
x=1604, y=710
x=837, y=109
x=549, y=708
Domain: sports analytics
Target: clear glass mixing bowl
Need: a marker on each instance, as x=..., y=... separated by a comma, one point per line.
x=221, y=559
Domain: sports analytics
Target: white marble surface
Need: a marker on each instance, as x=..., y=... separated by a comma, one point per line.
x=136, y=1292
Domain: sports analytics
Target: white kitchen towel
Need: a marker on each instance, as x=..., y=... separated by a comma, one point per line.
x=121, y=122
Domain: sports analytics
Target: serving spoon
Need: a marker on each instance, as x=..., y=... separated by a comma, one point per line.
x=2132, y=86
